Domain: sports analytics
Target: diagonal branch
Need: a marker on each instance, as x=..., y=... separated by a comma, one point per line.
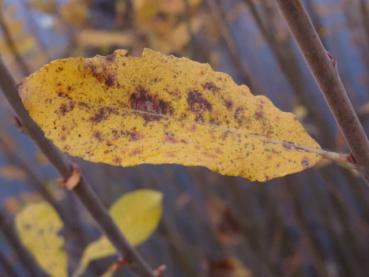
x=83, y=191
x=10, y=43
x=325, y=72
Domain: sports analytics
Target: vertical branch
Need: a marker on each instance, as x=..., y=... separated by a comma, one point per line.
x=288, y=63
x=325, y=72
x=82, y=190
x=230, y=42
x=12, y=46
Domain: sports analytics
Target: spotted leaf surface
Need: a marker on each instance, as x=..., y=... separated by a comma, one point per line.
x=38, y=226
x=137, y=214
x=157, y=109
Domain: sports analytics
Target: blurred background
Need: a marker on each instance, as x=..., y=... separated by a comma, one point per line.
x=313, y=223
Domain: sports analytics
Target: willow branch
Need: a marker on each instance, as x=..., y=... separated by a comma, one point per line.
x=82, y=190
x=325, y=72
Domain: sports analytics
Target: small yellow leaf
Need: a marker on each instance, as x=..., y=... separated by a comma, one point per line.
x=38, y=226
x=159, y=109
x=137, y=214
x=46, y=6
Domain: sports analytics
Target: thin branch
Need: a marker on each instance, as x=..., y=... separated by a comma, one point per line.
x=288, y=63
x=74, y=230
x=12, y=45
x=83, y=191
x=6, y=265
x=231, y=44
x=24, y=256
x=325, y=72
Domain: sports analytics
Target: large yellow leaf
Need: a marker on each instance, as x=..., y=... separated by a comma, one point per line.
x=137, y=214
x=38, y=226
x=158, y=109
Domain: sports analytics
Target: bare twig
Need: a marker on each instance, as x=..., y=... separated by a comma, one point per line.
x=83, y=191
x=324, y=69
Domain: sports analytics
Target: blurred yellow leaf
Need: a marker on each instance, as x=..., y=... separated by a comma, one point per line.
x=162, y=21
x=38, y=225
x=46, y=6
x=137, y=214
x=24, y=45
x=96, y=38
x=75, y=12
x=159, y=109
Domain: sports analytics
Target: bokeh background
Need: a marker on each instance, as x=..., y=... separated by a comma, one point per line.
x=313, y=223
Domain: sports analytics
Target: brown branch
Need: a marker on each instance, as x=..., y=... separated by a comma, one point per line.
x=83, y=191
x=325, y=72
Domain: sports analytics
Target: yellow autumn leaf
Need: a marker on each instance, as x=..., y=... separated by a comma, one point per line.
x=38, y=227
x=137, y=214
x=45, y=6
x=75, y=12
x=157, y=109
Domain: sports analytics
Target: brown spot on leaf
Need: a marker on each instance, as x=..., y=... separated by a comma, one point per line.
x=170, y=137
x=198, y=104
x=135, y=152
x=210, y=86
x=154, y=107
x=102, y=73
x=101, y=114
x=305, y=162
x=65, y=108
x=97, y=135
x=115, y=134
x=239, y=115
x=83, y=105
x=117, y=160
x=228, y=104
x=259, y=115
x=132, y=135
x=63, y=95
x=110, y=57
